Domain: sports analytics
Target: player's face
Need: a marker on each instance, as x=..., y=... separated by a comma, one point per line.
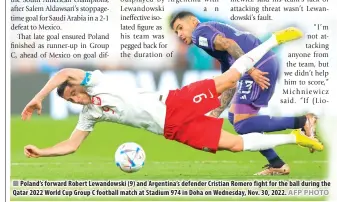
x=76, y=94
x=184, y=28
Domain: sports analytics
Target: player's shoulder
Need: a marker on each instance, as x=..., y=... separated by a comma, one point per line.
x=92, y=80
x=94, y=74
x=205, y=30
x=97, y=71
x=90, y=112
x=207, y=26
x=202, y=26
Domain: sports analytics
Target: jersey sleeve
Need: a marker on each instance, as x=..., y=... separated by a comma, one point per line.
x=92, y=78
x=203, y=36
x=85, y=123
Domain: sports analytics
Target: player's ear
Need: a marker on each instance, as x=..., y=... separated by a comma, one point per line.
x=194, y=20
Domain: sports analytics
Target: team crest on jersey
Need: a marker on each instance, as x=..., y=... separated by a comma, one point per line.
x=96, y=100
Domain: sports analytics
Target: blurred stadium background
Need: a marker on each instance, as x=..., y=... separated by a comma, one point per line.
x=165, y=159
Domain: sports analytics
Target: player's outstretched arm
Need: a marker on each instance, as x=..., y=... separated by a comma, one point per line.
x=222, y=43
x=73, y=76
x=66, y=147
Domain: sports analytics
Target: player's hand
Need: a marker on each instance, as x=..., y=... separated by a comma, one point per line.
x=260, y=78
x=34, y=104
x=32, y=151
